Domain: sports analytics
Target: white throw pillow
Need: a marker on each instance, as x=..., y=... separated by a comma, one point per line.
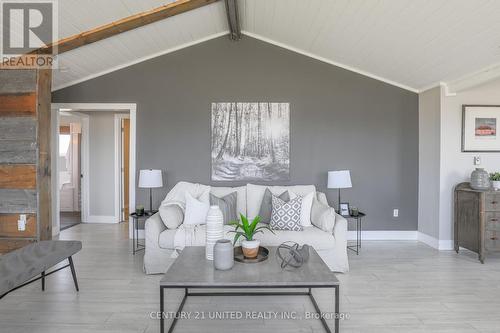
x=197, y=209
x=305, y=211
x=323, y=216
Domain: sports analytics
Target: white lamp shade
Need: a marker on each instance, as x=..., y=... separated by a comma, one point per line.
x=150, y=178
x=339, y=179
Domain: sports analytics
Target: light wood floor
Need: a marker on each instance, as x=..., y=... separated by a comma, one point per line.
x=392, y=287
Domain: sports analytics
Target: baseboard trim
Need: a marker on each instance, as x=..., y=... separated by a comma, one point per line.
x=398, y=235
x=383, y=235
x=101, y=219
x=439, y=244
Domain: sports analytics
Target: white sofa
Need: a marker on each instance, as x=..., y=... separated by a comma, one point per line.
x=332, y=247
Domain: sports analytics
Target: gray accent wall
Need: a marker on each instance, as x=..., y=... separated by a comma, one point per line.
x=339, y=120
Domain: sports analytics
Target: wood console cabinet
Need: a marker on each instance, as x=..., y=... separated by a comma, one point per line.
x=477, y=220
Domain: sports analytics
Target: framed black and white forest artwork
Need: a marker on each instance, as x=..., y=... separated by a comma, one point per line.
x=480, y=128
x=250, y=141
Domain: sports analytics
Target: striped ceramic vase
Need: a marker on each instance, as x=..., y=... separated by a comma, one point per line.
x=215, y=230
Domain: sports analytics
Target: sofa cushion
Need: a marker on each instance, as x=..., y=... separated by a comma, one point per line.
x=286, y=215
x=255, y=194
x=241, y=204
x=266, y=207
x=313, y=236
x=227, y=205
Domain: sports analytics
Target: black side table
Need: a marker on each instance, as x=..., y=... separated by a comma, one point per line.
x=358, y=219
x=136, y=245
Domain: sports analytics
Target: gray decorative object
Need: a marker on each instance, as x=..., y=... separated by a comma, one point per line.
x=223, y=255
x=266, y=207
x=480, y=179
x=286, y=215
x=291, y=254
x=251, y=141
x=227, y=205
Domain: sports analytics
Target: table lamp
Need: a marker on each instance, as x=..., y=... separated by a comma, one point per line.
x=339, y=179
x=149, y=178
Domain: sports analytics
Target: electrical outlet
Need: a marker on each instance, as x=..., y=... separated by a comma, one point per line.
x=395, y=213
x=477, y=160
x=21, y=223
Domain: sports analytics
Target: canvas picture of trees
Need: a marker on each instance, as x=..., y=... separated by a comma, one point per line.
x=250, y=141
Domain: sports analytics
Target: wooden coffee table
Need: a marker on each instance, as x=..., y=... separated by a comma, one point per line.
x=192, y=271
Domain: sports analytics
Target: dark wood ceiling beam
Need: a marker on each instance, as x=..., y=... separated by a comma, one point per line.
x=233, y=19
x=125, y=24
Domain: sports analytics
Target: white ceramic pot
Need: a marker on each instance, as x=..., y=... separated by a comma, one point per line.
x=250, y=248
x=495, y=184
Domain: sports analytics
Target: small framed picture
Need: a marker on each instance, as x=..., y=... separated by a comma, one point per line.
x=344, y=209
x=479, y=128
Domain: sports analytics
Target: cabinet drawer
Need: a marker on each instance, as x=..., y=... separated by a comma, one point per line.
x=492, y=202
x=492, y=240
x=492, y=221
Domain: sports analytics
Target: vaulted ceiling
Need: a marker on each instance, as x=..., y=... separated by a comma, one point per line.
x=408, y=43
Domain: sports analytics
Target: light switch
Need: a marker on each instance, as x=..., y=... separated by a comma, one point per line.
x=395, y=213
x=21, y=223
x=477, y=160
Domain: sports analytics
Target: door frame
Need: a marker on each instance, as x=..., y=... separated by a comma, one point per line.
x=118, y=162
x=56, y=108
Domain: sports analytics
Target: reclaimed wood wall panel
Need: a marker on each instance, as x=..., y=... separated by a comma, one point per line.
x=17, y=152
x=7, y=245
x=19, y=176
x=17, y=201
x=25, y=97
x=8, y=226
x=18, y=128
x=18, y=104
x=15, y=81
x=44, y=96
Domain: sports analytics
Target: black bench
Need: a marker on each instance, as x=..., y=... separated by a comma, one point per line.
x=22, y=266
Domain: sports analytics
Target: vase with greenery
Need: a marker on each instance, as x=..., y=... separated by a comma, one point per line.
x=495, y=180
x=247, y=230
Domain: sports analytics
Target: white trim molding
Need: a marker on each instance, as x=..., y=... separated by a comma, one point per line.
x=439, y=244
x=401, y=235
x=101, y=219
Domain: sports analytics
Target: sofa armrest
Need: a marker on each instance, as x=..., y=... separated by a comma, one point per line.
x=153, y=227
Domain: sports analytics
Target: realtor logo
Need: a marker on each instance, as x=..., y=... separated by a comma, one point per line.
x=27, y=26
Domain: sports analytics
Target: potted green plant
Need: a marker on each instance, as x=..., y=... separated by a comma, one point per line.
x=250, y=246
x=495, y=180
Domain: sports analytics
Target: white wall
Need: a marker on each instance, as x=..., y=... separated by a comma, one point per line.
x=429, y=108
x=456, y=166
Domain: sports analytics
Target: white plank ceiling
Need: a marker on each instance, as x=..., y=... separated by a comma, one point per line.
x=410, y=43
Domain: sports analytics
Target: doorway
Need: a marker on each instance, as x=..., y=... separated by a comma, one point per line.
x=123, y=191
x=122, y=128
x=69, y=170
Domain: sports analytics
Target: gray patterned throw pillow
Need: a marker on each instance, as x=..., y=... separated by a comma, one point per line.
x=227, y=205
x=286, y=215
x=266, y=207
